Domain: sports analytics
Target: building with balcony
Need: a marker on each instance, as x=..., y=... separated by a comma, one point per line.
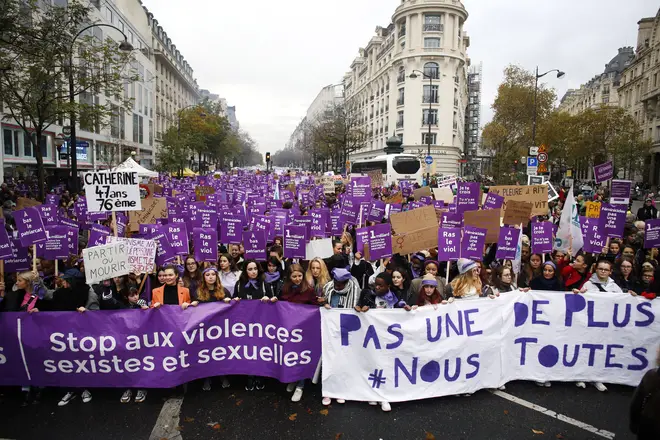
x=427, y=39
x=129, y=130
x=176, y=87
x=477, y=159
x=329, y=97
x=601, y=89
x=639, y=91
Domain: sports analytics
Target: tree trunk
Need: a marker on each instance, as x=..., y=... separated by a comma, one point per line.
x=41, y=172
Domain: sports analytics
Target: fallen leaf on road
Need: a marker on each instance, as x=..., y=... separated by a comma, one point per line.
x=338, y=435
x=537, y=432
x=559, y=436
x=293, y=416
x=212, y=423
x=506, y=411
x=429, y=436
x=217, y=426
x=309, y=411
x=323, y=412
x=238, y=402
x=188, y=419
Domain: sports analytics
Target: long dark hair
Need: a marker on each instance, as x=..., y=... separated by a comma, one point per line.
x=406, y=278
x=232, y=263
x=304, y=286
x=244, y=276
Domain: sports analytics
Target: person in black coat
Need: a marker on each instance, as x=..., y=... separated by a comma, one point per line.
x=273, y=276
x=645, y=406
x=251, y=283
x=648, y=211
x=361, y=270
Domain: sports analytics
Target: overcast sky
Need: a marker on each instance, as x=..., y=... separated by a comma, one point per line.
x=271, y=58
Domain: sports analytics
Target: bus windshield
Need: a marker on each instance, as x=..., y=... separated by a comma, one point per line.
x=405, y=165
x=365, y=167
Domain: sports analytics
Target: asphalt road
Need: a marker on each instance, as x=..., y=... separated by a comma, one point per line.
x=234, y=413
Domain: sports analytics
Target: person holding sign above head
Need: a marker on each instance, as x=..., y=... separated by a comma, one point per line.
x=171, y=293
x=296, y=290
x=211, y=290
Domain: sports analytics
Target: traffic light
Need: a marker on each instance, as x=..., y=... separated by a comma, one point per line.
x=267, y=157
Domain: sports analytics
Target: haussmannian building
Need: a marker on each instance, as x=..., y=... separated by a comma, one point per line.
x=424, y=36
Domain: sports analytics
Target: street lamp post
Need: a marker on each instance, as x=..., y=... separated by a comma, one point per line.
x=536, y=89
x=428, y=120
x=123, y=46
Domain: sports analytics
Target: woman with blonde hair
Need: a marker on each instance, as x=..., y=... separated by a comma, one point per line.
x=467, y=285
x=317, y=275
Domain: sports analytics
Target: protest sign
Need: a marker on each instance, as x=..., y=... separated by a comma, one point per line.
x=19, y=259
x=410, y=242
x=603, y=172
x=151, y=208
x=620, y=192
x=493, y=201
x=472, y=243
x=112, y=191
x=106, y=262
x=424, y=191
x=5, y=243
x=465, y=346
x=30, y=227
x=254, y=243
x=652, y=233
x=319, y=249
x=141, y=253
x=468, y=196
x=517, y=212
x=444, y=194
x=205, y=244
x=380, y=241
x=542, y=241
x=201, y=192
x=415, y=219
x=507, y=243
x=294, y=241
x=613, y=219
x=160, y=348
x=449, y=244
x=24, y=202
x=487, y=219
x=376, y=177
x=593, y=209
x=537, y=195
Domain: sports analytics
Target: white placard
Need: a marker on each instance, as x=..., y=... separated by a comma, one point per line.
x=107, y=191
x=105, y=262
x=319, y=249
x=141, y=253
x=457, y=348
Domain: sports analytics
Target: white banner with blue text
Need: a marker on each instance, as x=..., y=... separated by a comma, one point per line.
x=468, y=345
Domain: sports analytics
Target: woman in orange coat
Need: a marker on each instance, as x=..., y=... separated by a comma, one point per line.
x=171, y=293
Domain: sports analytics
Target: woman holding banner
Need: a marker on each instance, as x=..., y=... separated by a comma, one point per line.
x=192, y=276
x=229, y=273
x=170, y=293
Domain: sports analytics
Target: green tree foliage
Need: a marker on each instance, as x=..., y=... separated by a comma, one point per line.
x=36, y=44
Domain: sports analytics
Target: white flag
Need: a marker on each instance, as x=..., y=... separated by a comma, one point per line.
x=517, y=261
x=569, y=234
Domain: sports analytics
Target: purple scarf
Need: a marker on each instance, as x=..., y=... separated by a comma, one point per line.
x=271, y=277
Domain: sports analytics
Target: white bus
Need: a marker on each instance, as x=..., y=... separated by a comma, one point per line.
x=395, y=167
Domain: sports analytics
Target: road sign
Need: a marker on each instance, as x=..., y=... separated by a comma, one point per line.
x=66, y=130
x=543, y=168
x=428, y=160
x=532, y=165
x=543, y=149
x=533, y=151
x=543, y=157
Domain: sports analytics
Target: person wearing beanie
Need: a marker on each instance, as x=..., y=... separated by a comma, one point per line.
x=428, y=294
x=343, y=291
x=467, y=285
x=548, y=280
x=416, y=265
x=431, y=267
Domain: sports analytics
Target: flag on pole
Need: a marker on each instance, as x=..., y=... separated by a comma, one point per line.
x=517, y=262
x=569, y=235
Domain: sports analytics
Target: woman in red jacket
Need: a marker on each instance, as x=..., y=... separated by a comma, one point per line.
x=577, y=273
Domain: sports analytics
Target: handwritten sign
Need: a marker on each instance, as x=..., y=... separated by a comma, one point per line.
x=141, y=253
x=106, y=262
x=537, y=195
x=112, y=191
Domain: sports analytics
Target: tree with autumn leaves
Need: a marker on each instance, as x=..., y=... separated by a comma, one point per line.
x=577, y=141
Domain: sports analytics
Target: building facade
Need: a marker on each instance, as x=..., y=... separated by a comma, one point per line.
x=129, y=130
x=639, y=92
x=231, y=117
x=427, y=39
x=216, y=99
x=601, y=89
x=329, y=97
x=477, y=160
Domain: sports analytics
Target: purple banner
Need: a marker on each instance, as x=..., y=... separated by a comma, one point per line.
x=603, y=172
x=472, y=244
x=30, y=226
x=493, y=201
x=594, y=239
x=467, y=196
x=652, y=233
x=507, y=243
x=613, y=219
x=254, y=243
x=160, y=348
x=449, y=244
x=205, y=243
x=295, y=241
x=542, y=237
x=178, y=237
x=620, y=192
x=380, y=241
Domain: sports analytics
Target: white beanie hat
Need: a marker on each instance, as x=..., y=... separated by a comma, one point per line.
x=465, y=265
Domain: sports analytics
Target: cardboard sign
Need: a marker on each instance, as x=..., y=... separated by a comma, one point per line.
x=410, y=242
x=593, y=209
x=537, y=195
x=376, y=178
x=485, y=219
x=395, y=199
x=141, y=253
x=106, y=262
x=424, y=191
x=328, y=184
x=445, y=194
x=414, y=220
x=152, y=208
x=517, y=212
x=107, y=191
x=24, y=202
x=202, y=191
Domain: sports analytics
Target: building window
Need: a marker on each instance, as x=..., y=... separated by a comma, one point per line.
x=11, y=142
x=430, y=94
x=399, y=119
x=402, y=75
x=433, y=43
x=401, y=99
x=135, y=127
x=151, y=132
x=429, y=139
x=432, y=23
x=430, y=117
x=432, y=70
x=141, y=130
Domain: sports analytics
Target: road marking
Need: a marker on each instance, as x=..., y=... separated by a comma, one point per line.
x=553, y=414
x=20, y=345
x=168, y=421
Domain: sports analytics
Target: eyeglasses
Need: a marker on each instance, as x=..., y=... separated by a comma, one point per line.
x=603, y=269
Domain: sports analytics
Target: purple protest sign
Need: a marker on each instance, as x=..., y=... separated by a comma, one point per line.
x=380, y=241
x=231, y=229
x=603, y=172
x=493, y=201
x=203, y=341
x=395, y=208
x=472, y=244
x=620, y=191
x=295, y=241
x=254, y=243
x=72, y=239
x=57, y=245
x=335, y=225
x=48, y=214
x=164, y=253
x=451, y=219
x=97, y=234
x=30, y=227
x=507, y=243
x=652, y=233
x=319, y=222
x=5, y=243
x=376, y=211
x=206, y=218
x=613, y=219
x=359, y=189
x=361, y=238
x=19, y=261
x=349, y=211
x=178, y=238
x=594, y=238
x=467, y=196
x=542, y=237
x=449, y=244
x=205, y=243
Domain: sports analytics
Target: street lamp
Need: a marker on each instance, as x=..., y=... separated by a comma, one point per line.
x=428, y=120
x=536, y=89
x=124, y=46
